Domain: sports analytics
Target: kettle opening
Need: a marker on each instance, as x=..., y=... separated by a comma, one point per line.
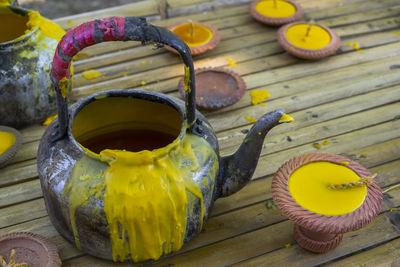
x=13, y=25
x=126, y=123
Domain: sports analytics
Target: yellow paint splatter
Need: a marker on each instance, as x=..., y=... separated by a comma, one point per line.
x=396, y=32
x=393, y=209
x=69, y=22
x=250, y=119
x=356, y=46
x=317, y=146
x=143, y=63
x=124, y=74
x=91, y=74
x=231, y=61
x=263, y=105
x=49, y=120
x=64, y=85
x=344, y=162
x=143, y=83
x=259, y=133
x=201, y=98
x=288, y=245
x=325, y=143
x=258, y=96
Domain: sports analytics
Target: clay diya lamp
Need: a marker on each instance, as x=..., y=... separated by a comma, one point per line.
x=325, y=196
x=10, y=142
x=275, y=12
x=216, y=87
x=308, y=40
x=200, y=37
x=32, y=249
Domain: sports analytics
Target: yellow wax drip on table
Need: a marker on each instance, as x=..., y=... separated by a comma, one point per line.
x=275, y=8
x=7, y=140
x=91, y=74
x=196, y=36
x=258, y=96
x=316, y=38
x=309, y=184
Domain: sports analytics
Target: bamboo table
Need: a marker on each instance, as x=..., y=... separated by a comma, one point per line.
x=347, y=103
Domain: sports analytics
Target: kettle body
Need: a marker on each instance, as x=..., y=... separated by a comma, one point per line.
x=27, y=45
x=131, y=175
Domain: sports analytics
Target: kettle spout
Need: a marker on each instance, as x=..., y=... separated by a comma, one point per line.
x=238, y=168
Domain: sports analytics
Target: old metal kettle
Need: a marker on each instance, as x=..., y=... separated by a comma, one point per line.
x=27, y=45
x=130, y=174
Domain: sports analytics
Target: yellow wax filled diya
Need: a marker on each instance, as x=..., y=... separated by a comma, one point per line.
x=10, y=141
x=308, y=40
x=275, y=12
x=325, y=195
x=200, y=37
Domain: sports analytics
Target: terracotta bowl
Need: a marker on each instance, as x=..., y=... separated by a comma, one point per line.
x=216, y=87
x=197, y=50
x=316, y=232
x=331, y=48
x=275, y=21
x=10, y=153
x=35, y=250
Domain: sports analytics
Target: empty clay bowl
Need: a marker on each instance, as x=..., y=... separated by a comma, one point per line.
x=274, y=20
x=35, y=250
x=304, y=53
x=8, y=148
x=317, y=232
x=198, y=49
x=216, y=87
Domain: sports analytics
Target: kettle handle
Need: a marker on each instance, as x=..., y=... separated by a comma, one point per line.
x=115, y=29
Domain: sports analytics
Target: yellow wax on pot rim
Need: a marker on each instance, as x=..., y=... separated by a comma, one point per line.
x=308, y=40
x=309, y=187
x=275, y=12
x=200, y=35
x=308, y=36
x=7, y=140
x=275, y=8
x=10, y=142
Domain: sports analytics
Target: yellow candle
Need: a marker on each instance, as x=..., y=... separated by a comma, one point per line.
x=7, y=140
x=308, y=36
x=193, y=34
x=275, y=8
x=309, y=186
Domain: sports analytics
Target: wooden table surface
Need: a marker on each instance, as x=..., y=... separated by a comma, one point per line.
x=350, y=100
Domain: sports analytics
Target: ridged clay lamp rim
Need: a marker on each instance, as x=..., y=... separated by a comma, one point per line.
x=10, y=153
x=31, y=248
x=352, y=221
x=331, y=48
x=197, y=50
x=219, y=100
x=275, y=21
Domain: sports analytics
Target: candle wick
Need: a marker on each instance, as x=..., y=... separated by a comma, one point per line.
x=363, y=181
x=191, y=28
x=311, y=23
